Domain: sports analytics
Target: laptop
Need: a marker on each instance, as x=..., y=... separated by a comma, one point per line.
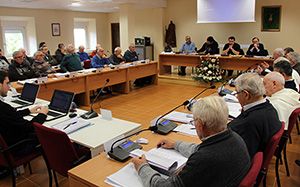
x=60, y=104
x=28, y=95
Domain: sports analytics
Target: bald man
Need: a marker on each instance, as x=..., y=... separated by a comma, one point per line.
x=283, y=99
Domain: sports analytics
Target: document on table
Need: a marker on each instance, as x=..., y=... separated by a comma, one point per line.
x=187, y=129
x=71, y=125
x=234, y=109
x=125, y=177
x=179, y=117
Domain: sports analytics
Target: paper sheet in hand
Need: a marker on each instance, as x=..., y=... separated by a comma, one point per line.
x=179, y=117
x=230, y=98
x=234, y=109
x=125, y=177
x=187, y=129
x=71, y=125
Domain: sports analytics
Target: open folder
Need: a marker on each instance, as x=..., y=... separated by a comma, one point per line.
x=71, y=125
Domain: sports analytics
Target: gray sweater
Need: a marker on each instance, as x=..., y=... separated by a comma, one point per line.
x=221, y=160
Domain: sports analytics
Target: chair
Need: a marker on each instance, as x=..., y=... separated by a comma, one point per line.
x=268, y=154
x=250, y=179
x=87, y=64
x=293, y=119
x=59, y=152
x=7, y=159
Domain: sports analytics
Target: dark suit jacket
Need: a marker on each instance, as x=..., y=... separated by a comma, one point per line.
x=256, y=126
x=210, y=48
x=14, y=127
x=254, y=52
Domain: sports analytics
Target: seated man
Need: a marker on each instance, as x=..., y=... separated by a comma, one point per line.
x=60, y=53
x=71, y=61
x=285, y=68
x=40, y=66
x=29, y=59
x=100, y=59
x=284, y=100
x=186, y=48
x=117, y=57
x=231, y=48
x=221, y=150
x=94, y=52
x=211, y=46
x=294, y=59
x=20, y=69
x=47, y=57
x=258, y=121
x=14, y=127
x=3, y=62
x=82, y=54
x=130, y=55
x=256, y=48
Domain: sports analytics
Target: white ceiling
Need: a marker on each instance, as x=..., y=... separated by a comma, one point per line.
x=82, y=5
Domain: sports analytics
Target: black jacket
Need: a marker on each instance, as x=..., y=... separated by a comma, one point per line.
x=254, y=52
x=212, y=48
x=13, y=126
x=256, y=126
x=20, y=71
x=116, y=60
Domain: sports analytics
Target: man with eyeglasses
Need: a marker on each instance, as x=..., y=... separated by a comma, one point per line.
x=258, y=121
x=20, y=69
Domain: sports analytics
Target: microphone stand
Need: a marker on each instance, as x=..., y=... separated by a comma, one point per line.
x=91, y=113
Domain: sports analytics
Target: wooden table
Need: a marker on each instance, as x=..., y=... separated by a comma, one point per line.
x=94, y=172
x=226, y=62
x=82, y=83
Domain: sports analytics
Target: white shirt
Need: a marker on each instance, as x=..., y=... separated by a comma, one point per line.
x=285, y=102
x=250, y=105
x=296, y=77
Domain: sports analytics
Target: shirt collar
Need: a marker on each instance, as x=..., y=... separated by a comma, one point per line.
x=204, y=139
x=250, y=105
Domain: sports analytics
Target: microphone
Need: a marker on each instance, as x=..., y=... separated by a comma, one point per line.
x=122, y=151
x=164, y=127
x=192, y=100
x=91, y=113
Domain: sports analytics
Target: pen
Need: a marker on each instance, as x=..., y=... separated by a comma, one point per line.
x=69, y=125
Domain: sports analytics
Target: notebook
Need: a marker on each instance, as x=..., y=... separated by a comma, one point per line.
x=60, y=104
x=28, y=95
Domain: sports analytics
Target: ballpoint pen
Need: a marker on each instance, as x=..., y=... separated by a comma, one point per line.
x=69, y=125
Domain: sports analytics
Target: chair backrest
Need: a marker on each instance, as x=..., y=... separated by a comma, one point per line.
x=57, y=147
x=292, y=120
x=3, y=157
x=271, y=147
x=250, y=179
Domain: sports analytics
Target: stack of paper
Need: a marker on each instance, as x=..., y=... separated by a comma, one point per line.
x=187, y=129
x=71, y=125
x=179, y=117
x=127, y=176
x=165, y=160
x=28, y=81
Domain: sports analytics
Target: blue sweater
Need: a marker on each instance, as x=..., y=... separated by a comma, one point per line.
x=98, y=62
x=83, y=56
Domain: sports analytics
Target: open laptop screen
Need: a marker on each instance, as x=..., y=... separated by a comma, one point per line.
x=61, y=101
x=29, y=92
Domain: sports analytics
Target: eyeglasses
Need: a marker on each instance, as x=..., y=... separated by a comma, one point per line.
x=236, y=93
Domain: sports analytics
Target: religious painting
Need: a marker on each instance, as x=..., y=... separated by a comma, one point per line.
x=271, y=18
x=55, y=29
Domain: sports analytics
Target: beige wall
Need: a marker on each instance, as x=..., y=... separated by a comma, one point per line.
x=184, y=15
x=44, y=18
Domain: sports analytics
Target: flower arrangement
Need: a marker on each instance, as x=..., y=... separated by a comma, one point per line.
x=208, y=70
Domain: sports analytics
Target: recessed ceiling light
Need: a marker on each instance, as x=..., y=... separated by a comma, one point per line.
x=76, y=4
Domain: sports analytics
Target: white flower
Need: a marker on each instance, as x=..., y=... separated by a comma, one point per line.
x=209, y=72
x=205, y=68
x=210, y=66
x=213, y=60
x=210, y=78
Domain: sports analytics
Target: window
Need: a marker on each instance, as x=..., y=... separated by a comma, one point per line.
x=13, y=40
x=80, y=37
x=85, y=32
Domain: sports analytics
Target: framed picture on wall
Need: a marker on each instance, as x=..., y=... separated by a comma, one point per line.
x=55, y=29
x=270, y=18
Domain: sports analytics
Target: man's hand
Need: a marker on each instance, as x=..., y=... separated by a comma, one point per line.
x=264, y=65
x=138, y=161
x=39, y=109
x=166, y=143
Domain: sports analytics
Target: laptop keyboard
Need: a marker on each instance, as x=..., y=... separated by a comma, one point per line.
x=20, y=102
x=54, y=114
